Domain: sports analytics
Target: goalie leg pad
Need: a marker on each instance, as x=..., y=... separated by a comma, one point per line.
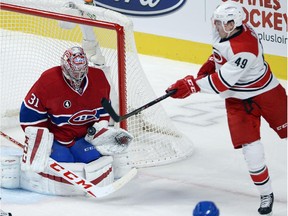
x=121, y=164
x=47, y=182
x=10, y=172
x=100, y=172
x=37, y=149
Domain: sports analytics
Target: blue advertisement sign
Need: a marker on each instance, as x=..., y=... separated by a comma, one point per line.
x=141, y=7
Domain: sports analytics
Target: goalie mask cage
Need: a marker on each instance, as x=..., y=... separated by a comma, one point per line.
x=32, y=41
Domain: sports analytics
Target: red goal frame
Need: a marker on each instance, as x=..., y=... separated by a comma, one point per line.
x=102, y=24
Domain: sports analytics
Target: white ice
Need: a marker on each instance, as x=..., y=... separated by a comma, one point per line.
x=214, y=172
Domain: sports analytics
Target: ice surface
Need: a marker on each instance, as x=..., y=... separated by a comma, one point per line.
x=215, y=171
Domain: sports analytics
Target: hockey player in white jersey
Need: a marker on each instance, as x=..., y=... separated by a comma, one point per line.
x=238, y=72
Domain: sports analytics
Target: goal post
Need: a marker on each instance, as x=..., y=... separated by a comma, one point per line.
x=33, y=41
x=100, y=24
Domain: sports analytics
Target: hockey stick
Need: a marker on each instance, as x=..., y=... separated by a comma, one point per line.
x=81, y=183
x=107, y=106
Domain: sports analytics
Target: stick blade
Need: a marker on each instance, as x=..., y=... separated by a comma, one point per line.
x=109, y=109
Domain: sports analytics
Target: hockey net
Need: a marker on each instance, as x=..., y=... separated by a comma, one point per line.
x=32, y=41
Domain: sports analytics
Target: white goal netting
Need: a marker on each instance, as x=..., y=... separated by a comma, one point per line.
x=31, y=44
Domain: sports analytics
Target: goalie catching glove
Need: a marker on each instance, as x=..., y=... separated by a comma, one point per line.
x=108, y=140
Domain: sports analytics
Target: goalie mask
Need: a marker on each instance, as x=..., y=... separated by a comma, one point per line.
x=74, y=66
x=229, y=11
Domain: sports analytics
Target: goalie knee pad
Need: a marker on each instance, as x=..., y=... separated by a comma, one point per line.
x=100, y=172
x=121, y=164
x=10, y=172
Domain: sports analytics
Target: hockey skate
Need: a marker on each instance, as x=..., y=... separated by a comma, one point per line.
x=266, y=205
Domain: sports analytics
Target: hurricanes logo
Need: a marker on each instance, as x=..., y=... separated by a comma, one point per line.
x=218, y=57
x=67, y=104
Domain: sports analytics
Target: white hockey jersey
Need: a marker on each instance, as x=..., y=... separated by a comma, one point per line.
x=241, y=71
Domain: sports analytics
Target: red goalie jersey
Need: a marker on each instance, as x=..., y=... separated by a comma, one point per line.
x=241, y=70
x=52, y=103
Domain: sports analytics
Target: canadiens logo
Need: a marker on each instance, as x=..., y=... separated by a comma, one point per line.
x=83, y=117
x=218, y=58
x=67, y=104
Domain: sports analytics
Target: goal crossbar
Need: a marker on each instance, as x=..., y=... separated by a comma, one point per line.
x=108, y=25
x=33, y=40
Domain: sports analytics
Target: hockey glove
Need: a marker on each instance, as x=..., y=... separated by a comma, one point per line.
x=108, y=140
x=207, y=68
x=185, y=87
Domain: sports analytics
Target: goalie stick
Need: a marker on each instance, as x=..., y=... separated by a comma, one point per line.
x=81, y=183
x=107, y=106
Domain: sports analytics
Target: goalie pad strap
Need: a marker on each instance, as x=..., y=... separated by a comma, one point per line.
x=102, y=177
x=100, y=172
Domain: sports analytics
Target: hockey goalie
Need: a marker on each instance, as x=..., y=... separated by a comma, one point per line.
x=59, y=109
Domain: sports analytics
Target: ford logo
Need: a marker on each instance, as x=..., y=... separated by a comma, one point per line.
x=141, y=7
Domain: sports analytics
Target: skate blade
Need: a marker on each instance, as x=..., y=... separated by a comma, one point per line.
x=269, y=214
